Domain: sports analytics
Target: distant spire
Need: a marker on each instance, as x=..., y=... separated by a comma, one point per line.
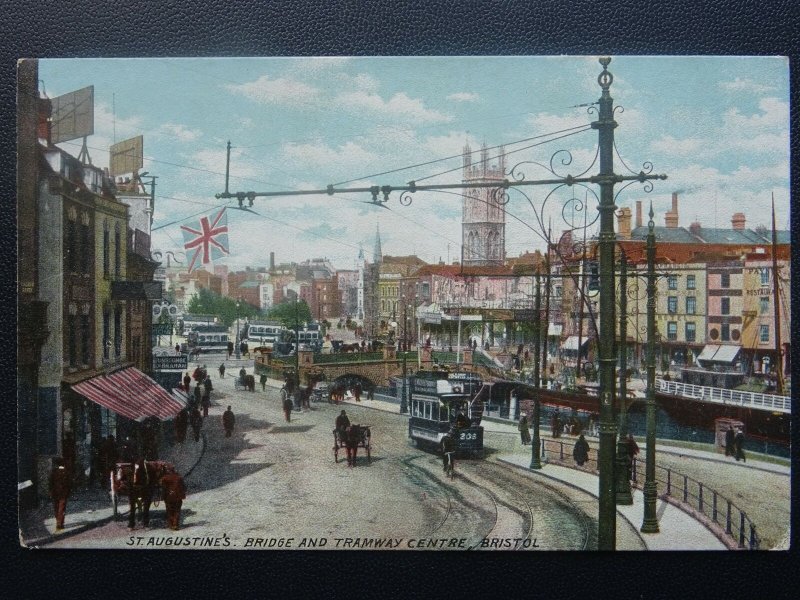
x=377, y=254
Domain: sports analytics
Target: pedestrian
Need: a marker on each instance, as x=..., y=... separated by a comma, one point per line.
x=108, y=460
x=177, y=348
x=447, y=445
x=263, y=381
x=230, y=349
x=59, y=491
x=357, y=391
x=555, y=424
x=729, y=440
x=222, y=371
x=287, y=407
x=187, y=381
x=205, y=403
x=525, y=436
x=181, y=424
x=228, y=421
x=196, y=421
x=174, y=492
x=208, y=385
x=632, y=449
x=738, y=446
x=198, y=395
x=581, y=451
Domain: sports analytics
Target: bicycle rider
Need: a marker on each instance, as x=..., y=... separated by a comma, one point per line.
x=448, y=448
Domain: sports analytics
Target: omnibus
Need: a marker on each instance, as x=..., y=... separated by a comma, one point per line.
x=439, y=404
x=208, y=338
x=262, y=333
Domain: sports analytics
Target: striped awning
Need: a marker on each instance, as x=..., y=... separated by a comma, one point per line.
x=130, y=393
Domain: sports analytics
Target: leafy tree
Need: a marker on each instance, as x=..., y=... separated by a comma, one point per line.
x=285, y=313
x=207, y=302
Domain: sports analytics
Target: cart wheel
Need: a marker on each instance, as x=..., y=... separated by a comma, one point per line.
x=335, y=454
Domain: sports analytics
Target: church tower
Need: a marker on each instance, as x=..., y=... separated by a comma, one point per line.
x=377, y=253
x=483, y=222
x=360, y=293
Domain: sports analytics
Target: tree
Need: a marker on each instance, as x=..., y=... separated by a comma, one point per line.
x=207, y=302
x=285, y=313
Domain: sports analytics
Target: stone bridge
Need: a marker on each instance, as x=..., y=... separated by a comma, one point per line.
x=375, y=367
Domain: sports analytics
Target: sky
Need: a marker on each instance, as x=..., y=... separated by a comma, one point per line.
x=718, y=127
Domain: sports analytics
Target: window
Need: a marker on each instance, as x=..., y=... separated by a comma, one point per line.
x=672, y=330
x=672, y=304
x=690, y=282
x=725, y=306
x=763, y=305
x=725, y=280
x=726, y=332
x=672, y=282
x=691, y=332
x=691, y=305
x=764, y=276
x=72, y=340
x=117, y=250
x=86, y=249
x=117, y=332
x=106, y=333
x=106, y=250
x=764, y=334
x=85, y=334
x=558, y=291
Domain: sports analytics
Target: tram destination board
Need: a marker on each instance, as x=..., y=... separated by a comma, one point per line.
x=171, y=363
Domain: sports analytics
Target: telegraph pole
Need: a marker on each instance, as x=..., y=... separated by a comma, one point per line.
x=536, y=462
x=650, y=520
x=623, y=483
x=607, y=528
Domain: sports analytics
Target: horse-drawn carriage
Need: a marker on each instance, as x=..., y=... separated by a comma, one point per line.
x=358, y=436
x=147, y=493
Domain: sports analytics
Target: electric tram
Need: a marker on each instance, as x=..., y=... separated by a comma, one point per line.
x=209, y=338
x=441, y=402
x=262, y=333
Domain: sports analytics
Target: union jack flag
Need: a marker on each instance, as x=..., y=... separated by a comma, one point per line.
x=207, y=242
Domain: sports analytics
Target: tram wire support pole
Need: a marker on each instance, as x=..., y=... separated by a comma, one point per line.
x=605, y=125
x=536, y=461
x=403, y=403
x=650, y=518
x=238, y=339
x=624, y=496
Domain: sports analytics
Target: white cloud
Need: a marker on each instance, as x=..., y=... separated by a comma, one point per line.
x=463, y=97
x=181, y=132
x=275, y=91
x=398, y=106
x=326, y=158
x=672, y=146
x=774, y=114
x=745, y=85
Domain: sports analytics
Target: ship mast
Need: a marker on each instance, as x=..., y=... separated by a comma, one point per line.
x=776, y=304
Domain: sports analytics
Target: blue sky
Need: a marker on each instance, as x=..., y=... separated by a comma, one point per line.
x=717, y=126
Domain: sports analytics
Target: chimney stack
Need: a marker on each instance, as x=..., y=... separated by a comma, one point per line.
x=624, y=224
x=738, y=220
x=638, y=213
x=671, y=218
x=271, y=261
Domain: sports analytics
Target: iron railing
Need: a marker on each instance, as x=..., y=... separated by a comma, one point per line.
x=723, y=396
x=679, y=488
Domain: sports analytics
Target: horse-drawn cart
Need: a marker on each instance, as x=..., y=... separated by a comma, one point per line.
x=149, y=492
x=355, y=436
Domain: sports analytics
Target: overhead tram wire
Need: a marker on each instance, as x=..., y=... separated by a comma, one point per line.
x=436, y=160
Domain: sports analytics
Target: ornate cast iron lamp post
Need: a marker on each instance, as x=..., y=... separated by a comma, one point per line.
x=536, y=462
x=623, y=484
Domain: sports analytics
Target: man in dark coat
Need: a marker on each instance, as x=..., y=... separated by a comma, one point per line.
x=357, y=391
x=729, y=437
x=181, y=424
x=108, y=459
x=196, y=421
x=205, y=401
x=581, y=451
x=342, y=423
x=59, y=491
x=174, y=492
x=525, y=436
x=448, y=445
x=230, y=349
x=633, y=449
x=555, y=425
x=187, y=382
x=198, y=395
x=738, y=446
x=228, y=421
x=222, y=371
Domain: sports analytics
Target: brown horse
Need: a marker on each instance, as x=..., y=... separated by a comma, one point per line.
x=142, y=487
